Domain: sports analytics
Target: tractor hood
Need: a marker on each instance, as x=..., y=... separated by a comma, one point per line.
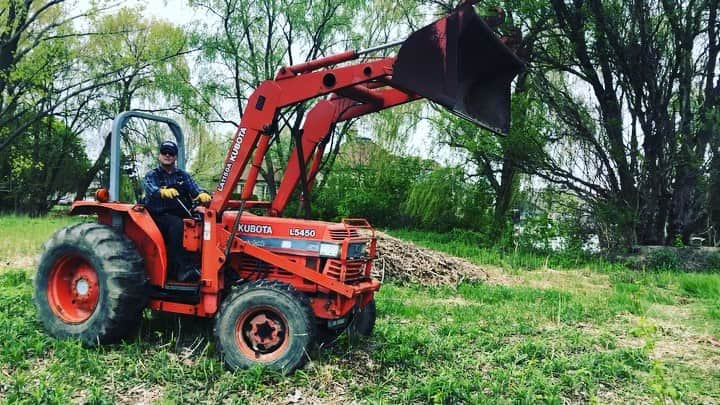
x=461, y=64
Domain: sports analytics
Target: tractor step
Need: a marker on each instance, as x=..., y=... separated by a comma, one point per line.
x=187, y=293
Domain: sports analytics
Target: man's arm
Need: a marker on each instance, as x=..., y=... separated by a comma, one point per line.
x=152, y=188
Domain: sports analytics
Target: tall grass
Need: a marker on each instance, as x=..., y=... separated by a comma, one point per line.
x=472, y=343
x=22, y=236
x=700, y=285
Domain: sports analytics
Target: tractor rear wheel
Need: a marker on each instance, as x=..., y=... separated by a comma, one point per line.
x=265, y=323
x=363, y=321
x=90, y=284
x=360, y=324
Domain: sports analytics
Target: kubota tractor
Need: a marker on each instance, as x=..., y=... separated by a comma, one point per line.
x=274, y=285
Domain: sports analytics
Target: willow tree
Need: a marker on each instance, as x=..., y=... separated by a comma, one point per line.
x=38, y=73
x=245, y=42
x=630, y=85
x=145, y=58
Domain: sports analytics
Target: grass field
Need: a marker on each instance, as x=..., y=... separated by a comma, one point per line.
x=596, y=333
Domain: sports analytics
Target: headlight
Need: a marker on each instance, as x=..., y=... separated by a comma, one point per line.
x=356, y=250
x=330, y=250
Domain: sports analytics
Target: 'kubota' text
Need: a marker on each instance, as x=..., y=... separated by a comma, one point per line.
x=254, y=228
x=234, y=151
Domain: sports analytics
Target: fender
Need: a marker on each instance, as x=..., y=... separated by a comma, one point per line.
x=139, y=226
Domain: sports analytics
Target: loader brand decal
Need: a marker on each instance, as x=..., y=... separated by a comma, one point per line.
x=254, y=228
x=302, y=247
x=234, y=151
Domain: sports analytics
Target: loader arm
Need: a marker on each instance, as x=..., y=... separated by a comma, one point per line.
x=252, y=136
x=318, y=126
x=460, y=64
x=457, y=62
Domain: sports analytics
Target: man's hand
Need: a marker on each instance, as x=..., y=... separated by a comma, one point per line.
x=168, y=192
x=203, y=197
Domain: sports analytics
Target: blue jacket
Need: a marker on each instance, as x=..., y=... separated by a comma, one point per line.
x=178, y=179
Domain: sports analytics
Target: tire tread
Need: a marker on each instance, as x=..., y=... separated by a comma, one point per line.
x=123, y=269
x=273, y=285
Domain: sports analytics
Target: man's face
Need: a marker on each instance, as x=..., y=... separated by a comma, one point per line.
x=167, y=158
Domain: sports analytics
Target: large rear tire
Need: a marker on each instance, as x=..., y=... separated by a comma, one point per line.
x=90, y=284
x=265, y=323
x=360, y=325
x=363, y=321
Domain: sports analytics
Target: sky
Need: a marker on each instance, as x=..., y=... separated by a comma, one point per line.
x=176, y=11
x=180, y=13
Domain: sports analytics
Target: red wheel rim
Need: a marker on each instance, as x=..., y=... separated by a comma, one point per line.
x=262, y=334
x=73, y=290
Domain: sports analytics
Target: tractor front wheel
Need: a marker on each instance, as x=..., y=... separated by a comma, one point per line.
x=90, y=284
x=265, y=323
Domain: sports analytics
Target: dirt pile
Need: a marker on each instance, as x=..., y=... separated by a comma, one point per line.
x=403, y=261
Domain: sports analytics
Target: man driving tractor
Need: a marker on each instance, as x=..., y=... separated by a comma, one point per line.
x=168, y=191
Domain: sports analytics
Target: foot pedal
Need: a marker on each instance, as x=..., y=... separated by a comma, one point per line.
x=186, y=293
x=182, y=287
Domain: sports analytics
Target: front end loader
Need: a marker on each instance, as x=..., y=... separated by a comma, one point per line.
x=274, y=285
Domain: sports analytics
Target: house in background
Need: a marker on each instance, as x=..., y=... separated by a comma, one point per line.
x=261, y=191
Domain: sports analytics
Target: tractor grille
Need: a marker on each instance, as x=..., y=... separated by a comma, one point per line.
x=354, y=271
x=249, y=263
x=340, y=234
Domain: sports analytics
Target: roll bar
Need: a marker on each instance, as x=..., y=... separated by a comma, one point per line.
x=118, y=124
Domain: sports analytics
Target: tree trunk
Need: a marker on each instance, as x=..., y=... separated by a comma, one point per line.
x=504, y=195
x=84, y=182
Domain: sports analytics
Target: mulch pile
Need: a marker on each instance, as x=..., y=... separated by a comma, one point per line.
x=403, y=261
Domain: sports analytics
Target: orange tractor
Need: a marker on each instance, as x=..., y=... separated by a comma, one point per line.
x=274, y=285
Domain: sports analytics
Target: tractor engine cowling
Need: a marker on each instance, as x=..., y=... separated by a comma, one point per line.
x=341, y=251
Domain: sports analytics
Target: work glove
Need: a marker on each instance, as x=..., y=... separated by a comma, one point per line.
x=168, y=192
x=203, y=197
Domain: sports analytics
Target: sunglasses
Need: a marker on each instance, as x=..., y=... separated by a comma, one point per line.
x=167, y=152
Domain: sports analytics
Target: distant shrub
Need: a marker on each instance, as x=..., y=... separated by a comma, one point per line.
x=713, y=262
x=663, y=259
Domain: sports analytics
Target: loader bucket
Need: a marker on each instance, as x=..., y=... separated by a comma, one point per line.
x=461, y=64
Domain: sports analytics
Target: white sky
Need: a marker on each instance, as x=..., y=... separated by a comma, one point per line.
x=419, y=143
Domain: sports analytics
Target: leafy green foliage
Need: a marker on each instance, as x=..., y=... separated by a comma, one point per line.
x=144, y=53
x=663, y=259
x=368, y=182
x=41, y=167
x=443, y=200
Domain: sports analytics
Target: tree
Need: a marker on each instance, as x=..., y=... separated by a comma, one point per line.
x=444, y=200
x=500, y=161
x=146, y=56
x=635, y=136
x=246, y=42
x=369, y=182
x=41, y=167
x=37, y=40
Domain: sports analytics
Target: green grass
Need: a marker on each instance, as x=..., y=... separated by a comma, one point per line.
x=22, y=236
x=468, y=245
x=476, y=343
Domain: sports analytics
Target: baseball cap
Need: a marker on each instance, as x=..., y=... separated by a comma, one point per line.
x=169, y=146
